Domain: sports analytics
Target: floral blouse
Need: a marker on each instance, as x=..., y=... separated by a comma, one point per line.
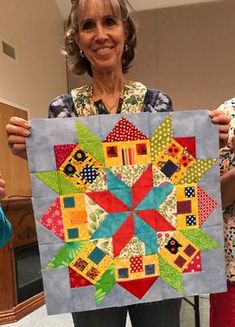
x=137, y=98
x=228, y=162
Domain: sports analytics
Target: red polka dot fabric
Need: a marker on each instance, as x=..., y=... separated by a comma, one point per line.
x=136, y=264
x=125, y=131
x=52, y=219
x=195, y=264
x=206, y=205
x=62, y=152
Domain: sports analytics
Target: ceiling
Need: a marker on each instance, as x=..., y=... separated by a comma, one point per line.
x=64, y=5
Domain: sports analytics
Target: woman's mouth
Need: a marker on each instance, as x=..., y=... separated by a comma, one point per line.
x=104, y=50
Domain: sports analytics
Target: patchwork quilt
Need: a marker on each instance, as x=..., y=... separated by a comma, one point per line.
x=127, y=208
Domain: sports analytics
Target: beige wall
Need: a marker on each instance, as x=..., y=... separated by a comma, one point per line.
x=187, y=51
x=35, y=28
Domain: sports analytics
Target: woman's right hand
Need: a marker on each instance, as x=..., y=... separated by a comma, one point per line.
x=17, y=130
x=218, y=116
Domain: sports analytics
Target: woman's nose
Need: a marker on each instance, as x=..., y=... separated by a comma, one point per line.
x=100, y=32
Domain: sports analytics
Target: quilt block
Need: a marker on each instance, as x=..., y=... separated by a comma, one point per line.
x=127, y=208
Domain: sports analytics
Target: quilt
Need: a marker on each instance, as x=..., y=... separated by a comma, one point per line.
x=127, y=208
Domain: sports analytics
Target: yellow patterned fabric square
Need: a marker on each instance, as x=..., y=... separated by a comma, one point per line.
x=126, y=153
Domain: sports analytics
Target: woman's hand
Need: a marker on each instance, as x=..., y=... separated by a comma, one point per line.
x=17, y=130
x=223, y=120
x=2, y=188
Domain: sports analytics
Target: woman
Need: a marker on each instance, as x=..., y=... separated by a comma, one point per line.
x=5, y=226
x=222, y=305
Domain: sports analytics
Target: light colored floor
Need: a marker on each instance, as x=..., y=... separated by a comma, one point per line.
x=187, y=313
x=39, y=318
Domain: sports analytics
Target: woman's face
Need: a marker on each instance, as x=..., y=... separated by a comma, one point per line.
x=101, y=37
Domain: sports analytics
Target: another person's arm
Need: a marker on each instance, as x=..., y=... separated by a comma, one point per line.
x=228, y=188
x=5, y=225
x=5, y=229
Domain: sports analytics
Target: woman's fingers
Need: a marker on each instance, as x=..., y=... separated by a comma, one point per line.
x=219, y=117
x=18, y=126
x=216, y=112
x=17, y=130
x=19, y=122
x=224, y=128
x=16, y=140
x=223, y=120
x=19, y=150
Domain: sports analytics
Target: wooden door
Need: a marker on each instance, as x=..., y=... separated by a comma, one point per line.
x=18, y=208
x=13, y=169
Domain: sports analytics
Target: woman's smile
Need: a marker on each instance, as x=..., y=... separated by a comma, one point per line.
x=104, y=52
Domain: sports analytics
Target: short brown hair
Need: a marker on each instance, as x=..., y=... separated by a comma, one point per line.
x=79, y=64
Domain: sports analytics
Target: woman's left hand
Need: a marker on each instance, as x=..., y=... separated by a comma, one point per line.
x=2, y=188
x=223, y=120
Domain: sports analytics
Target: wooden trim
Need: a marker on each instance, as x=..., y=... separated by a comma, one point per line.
x=8, y=291
x=13, y=202
x=22, y=309
x=12, y=104
x=20, y=213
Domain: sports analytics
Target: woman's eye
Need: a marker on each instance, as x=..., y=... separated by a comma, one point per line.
x=109, y=21
x=87, y=26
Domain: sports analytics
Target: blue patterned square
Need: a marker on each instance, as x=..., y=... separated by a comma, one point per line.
x=123, y=273
x=89, y=174
x=69, y=202
x=189, y=192
x=169, y=168
x=191, y=220
x=149, y=269
x=96, y=255
x=73, y=233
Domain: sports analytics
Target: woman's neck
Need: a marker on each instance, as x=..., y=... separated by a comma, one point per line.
x=108, y=85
